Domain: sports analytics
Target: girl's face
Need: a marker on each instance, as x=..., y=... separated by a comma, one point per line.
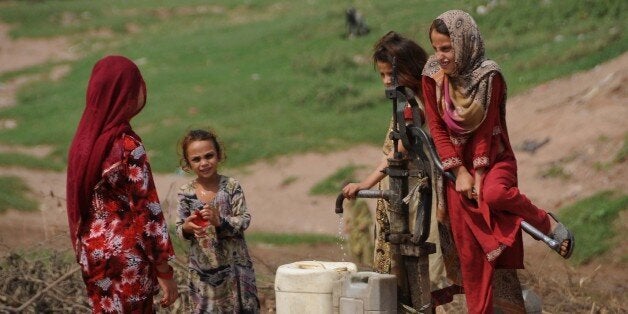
x=385, y=73
x=203, y=158
x=444, y=51
x=385, y=70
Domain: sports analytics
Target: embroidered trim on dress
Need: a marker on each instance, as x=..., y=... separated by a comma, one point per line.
x=451, y=163
x=497, y=130
x=111, y=168
x=480, y=161
x=110, y=174
x=491, y=256
x=458, y=140
x=97, y=200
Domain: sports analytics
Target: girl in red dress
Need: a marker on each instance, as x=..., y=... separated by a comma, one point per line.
x=465, y=97
x=116, y=224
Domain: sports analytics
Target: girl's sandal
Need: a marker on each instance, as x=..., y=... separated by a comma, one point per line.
x=560, y=234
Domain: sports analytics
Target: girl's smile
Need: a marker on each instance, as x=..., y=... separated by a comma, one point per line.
x=444, y=51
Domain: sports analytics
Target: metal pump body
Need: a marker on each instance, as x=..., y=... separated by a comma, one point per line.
x=409, y=249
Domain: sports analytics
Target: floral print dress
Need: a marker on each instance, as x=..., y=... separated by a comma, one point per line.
x=222, y=279
x=124, y=234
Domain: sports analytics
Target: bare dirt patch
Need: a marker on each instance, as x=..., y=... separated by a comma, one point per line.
x=582, y=116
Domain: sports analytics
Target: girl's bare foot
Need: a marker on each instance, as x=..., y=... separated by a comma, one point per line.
x=561, y=233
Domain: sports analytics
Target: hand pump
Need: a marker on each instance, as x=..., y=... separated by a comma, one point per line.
x=409, y=251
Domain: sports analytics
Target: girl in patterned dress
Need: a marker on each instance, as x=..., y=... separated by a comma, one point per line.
x=212, y=217
x=410, y=59
x=116, y=224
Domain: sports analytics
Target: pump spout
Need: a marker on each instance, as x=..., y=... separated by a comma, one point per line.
x=384, y=194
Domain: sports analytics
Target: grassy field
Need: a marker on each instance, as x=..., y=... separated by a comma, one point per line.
x=596, y=230
x=14, y=194
x=274, y=77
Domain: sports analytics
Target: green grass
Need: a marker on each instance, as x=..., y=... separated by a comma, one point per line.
x=253, y=238
x=563, y=37
x=622, y=154
x=289, y=180
x=14, y=195
x=334, y=183
x=555, y=170
x=275, y=77
x=593, y=222
x=181, y=246
x=31, y=162
x=289, y=238
x=45, y=258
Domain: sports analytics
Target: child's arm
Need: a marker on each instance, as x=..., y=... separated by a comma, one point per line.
x=239, y=218
x=186, y=229
x=373, y=178
x=377, y=175
x=184, y=213
x=488, y=133
x=438, y=129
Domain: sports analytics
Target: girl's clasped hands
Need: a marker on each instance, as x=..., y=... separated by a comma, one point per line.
x=198, y=221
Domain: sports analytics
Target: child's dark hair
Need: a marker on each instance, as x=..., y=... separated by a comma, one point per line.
x=198, y=135
x=409, y=57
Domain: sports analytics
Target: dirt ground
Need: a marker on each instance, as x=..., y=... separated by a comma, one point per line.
x=582, y=117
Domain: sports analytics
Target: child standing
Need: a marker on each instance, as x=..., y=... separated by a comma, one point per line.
x=213, y=216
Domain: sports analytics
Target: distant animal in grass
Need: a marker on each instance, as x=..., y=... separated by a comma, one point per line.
x=356, y=24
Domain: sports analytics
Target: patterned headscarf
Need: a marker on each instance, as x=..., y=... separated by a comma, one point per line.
x=112, y=100
x=463, y=96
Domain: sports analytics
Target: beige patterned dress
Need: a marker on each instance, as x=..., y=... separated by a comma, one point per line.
x=222, y=279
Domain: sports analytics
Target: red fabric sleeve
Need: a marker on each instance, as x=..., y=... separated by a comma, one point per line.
x=145, y=203
x=483, y=136
x=438, y=130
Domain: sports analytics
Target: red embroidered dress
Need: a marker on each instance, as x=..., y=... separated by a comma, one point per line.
x=487, y=233
x=124, y=234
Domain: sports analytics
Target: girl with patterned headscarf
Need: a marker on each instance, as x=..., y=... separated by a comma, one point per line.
x=465, y=98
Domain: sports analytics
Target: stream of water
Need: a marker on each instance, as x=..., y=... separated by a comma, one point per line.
x=341, y=236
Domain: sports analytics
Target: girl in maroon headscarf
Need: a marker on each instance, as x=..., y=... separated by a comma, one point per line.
x=116, y=224
x=465, y=97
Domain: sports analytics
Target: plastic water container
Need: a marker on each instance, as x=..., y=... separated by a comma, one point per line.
x=306, y=287
x=366, y=292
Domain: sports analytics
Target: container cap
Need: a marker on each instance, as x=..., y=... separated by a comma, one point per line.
x=311, y=276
